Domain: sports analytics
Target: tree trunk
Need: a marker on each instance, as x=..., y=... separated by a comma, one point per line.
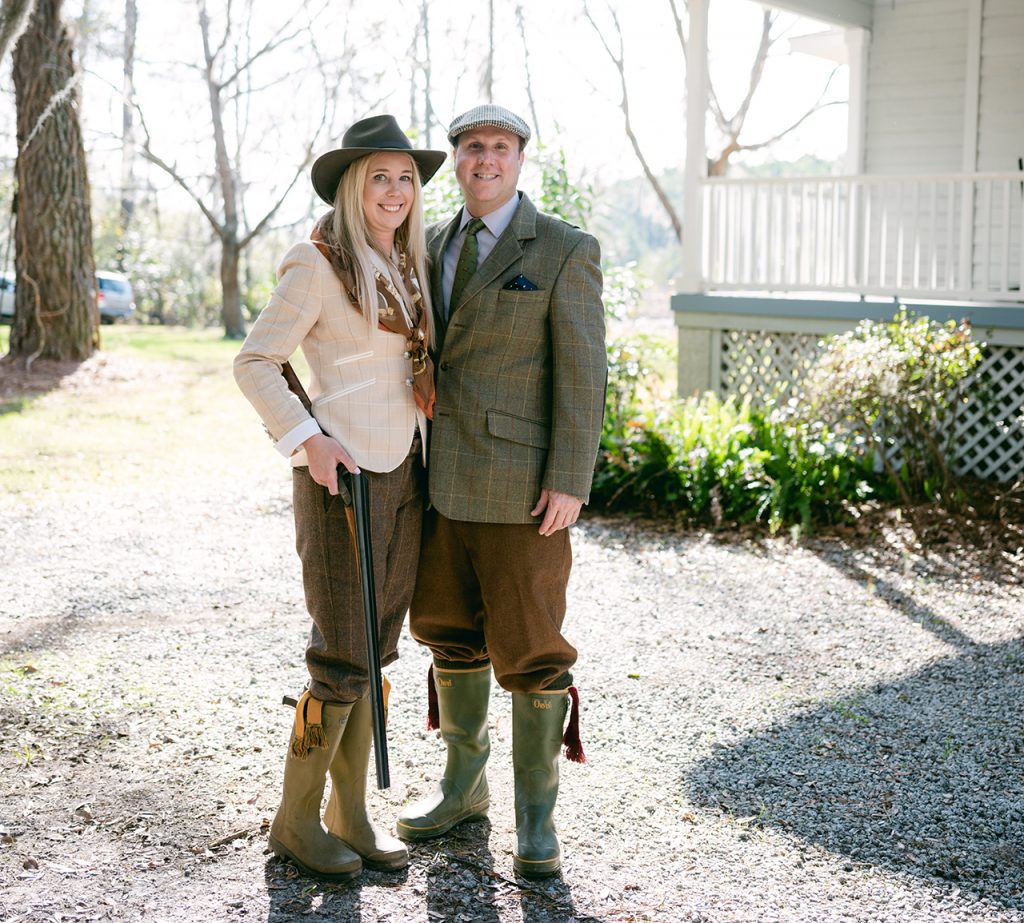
x=131, y=17
x=487, y=83
x=234, y=324
x=231, y=310
x=55, y=303
x=428, y=109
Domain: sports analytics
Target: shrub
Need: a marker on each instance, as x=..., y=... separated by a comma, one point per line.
x=898, y=386
x=713, y=461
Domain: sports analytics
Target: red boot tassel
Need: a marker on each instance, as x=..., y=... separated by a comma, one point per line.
x=433, y=713
x=571, y=738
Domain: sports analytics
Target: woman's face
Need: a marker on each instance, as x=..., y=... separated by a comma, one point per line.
x=388, y=195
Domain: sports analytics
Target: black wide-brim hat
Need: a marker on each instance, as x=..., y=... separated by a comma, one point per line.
x=377, y=134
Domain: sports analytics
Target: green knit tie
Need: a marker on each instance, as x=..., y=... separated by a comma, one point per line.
x=466, y=266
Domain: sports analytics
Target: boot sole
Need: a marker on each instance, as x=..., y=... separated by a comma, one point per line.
x=390, y=865
x=416, y=834
x=536, y=868
x=282, y=852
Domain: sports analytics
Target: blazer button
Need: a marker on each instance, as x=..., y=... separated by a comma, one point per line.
x=445, y=366
x=408, y=381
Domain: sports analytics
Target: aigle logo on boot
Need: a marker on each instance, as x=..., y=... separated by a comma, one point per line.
x=540, y=703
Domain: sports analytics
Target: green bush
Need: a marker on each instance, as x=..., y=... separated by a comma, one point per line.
x=705, y=460
x=898, y=385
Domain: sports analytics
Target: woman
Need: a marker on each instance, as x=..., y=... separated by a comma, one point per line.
x=352, y=300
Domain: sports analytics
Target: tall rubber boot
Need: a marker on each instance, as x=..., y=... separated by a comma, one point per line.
x=537, y=721
x=346, y=816
x=296, y=832
x=462, y=697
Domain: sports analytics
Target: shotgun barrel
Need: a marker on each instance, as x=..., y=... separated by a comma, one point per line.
x=364, y=552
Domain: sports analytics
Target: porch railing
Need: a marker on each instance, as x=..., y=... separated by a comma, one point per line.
x=952, y=235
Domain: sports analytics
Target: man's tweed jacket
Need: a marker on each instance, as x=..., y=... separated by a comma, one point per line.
x=520, y=374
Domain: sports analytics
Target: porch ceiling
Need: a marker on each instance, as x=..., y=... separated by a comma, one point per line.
x=839, y=12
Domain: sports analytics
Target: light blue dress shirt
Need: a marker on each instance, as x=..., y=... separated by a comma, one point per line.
x=495, y=223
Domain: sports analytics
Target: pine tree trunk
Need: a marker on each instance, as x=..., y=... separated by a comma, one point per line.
x=56, y=316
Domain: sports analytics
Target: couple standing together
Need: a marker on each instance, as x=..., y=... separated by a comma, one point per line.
x=490, y=326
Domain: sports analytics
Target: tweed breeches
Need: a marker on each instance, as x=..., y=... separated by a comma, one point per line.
x=494, y=591
x=336, y=653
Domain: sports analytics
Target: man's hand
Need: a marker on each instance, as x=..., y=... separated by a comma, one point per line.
x=324, y=454
x=560, y=510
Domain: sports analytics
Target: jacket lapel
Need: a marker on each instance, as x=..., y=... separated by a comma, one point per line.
x=507, y=250
x=438, y=238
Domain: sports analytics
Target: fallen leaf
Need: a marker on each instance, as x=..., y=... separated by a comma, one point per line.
x=30, y=863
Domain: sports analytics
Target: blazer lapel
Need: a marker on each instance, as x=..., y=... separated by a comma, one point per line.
x=440, y=236
x=507, y=250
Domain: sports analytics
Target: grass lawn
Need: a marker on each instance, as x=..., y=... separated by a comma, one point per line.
x=154, y=402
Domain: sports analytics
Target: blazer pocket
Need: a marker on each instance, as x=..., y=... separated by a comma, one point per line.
x=525, y=305
x=518, y=429
x=353, y=358
x=341, y=392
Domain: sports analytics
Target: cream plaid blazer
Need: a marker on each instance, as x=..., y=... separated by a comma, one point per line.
x=520, y=374
x=360, y=378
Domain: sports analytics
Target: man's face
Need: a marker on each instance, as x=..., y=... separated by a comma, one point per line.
x=487, y=165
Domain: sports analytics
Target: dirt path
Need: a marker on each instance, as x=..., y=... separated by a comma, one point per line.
x=774, y=731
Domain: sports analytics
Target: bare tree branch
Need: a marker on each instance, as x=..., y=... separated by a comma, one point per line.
x=680, y=32
x=521, y=24
x=618, y=59
x=756, y=72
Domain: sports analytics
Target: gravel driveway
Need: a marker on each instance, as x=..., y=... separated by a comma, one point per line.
x=829, y=730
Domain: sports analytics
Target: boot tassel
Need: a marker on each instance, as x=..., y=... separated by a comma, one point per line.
x=571, y=738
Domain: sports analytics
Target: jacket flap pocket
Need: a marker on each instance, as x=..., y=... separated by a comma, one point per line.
x=517, y=429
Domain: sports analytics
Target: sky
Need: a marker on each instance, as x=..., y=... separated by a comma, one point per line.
x=575, y=87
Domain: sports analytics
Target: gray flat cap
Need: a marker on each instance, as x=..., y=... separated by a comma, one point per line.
x=488, y=116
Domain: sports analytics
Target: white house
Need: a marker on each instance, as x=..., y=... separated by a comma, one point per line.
x=929, y=212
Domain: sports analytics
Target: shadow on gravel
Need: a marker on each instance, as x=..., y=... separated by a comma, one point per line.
x=904, y=603
x=293, y=896
x=462, y=883
x=921, y=777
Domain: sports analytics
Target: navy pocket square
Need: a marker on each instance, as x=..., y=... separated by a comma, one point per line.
x=519, y=284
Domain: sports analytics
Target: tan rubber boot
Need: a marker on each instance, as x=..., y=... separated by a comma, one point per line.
x=462, y=696
x=296, y=833
x=346, y=816
x=537, y=722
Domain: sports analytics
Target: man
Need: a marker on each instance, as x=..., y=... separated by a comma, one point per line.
x=521, y=372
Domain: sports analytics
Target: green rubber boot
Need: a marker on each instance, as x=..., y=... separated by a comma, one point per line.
x=537, y=722
x=346, y=816
x=296, y=832
x=462, y=697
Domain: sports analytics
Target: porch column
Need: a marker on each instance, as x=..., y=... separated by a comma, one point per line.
x=696, y=167
x=697, y=353
x=857, y=58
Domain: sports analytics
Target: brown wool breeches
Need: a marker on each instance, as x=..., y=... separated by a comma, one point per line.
x=336, y=654
x=494, y=591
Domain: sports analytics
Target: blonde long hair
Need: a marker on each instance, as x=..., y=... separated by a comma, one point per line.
x=353, y=239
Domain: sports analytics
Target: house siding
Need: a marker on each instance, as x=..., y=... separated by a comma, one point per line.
x=1001, y=109
x=916, y=84
x=1000, y=141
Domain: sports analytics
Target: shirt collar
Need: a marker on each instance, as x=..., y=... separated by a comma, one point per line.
x=495, y=221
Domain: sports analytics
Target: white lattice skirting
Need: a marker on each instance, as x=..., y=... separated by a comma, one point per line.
x=742, y=356
x=989, y=436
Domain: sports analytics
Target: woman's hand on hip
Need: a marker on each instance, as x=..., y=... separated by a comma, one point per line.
x=323, y=455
